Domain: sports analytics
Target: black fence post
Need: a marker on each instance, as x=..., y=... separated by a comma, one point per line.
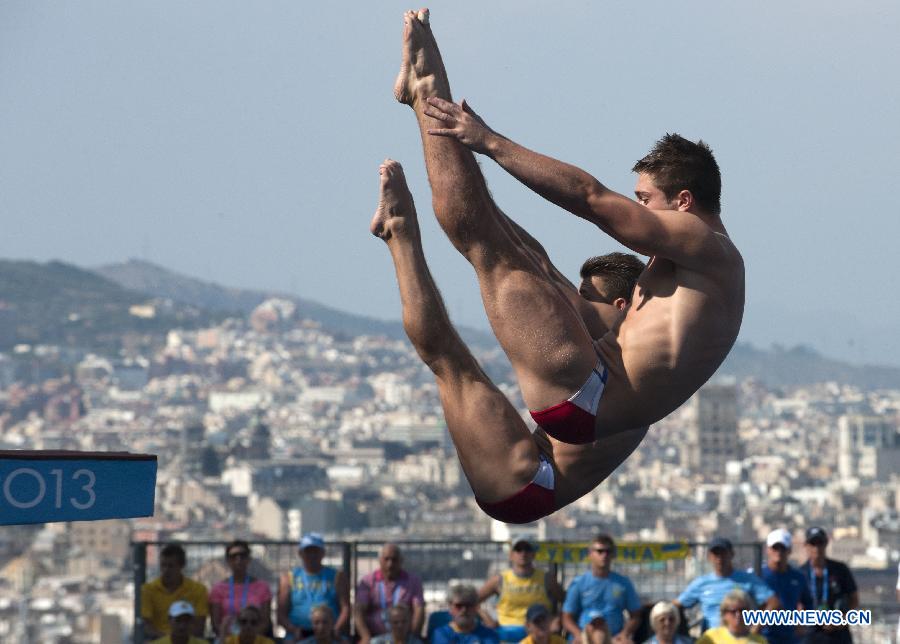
x=139, y=567
x=350, y=569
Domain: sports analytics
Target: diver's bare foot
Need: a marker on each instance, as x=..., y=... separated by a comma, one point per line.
x=396, y=214
x=422, y=72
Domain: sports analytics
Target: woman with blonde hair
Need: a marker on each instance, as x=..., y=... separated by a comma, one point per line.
x=733, y=629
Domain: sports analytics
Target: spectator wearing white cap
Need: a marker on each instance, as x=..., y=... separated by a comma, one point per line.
x=181, y=622
x=788, y=583
x=519, y=587
x=171, y=586
x=309, y=585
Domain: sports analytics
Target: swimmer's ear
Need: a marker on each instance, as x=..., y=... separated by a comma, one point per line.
x=684, y=201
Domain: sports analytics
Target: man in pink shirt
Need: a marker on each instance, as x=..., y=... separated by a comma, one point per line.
x=388, y=586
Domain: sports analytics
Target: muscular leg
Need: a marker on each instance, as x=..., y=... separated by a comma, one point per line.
x=496, y=450
x=535, y=323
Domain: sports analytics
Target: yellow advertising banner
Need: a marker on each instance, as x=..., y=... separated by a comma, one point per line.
x=628, y=551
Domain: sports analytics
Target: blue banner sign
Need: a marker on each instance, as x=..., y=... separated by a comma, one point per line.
x=48, y=486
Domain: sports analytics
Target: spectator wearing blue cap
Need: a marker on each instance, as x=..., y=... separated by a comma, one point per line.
x=309, y=585
x=709, y=590
x=537, y=622
x=601, y=593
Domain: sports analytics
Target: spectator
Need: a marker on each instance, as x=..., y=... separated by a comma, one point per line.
x=400, y=620
x=831, y=585
x=664, y=620
x=251, y=624
x=309, y=585
x=519, y=587
x=709, y=590
x=733, y=629
x=324, y=632
x=228, y=597
x=171, y=585
x=538, y=624
x=602, y=592
x=464, y=627
x=388, y=586
x=596, y=631
x=788, y=583
x=180, y=624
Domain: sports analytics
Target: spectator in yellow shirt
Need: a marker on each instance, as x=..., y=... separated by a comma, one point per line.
x=537, y=623
x=181, y=620
x=733, y=629
x=171, y=586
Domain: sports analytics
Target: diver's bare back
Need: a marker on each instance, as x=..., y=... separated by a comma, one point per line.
x=679, y=328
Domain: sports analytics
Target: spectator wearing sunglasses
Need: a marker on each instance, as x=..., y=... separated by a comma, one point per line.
x=519, y=587
x=464, y=627
x=600, y=592
x=733, y=629
x=250, y=624
x=240, y=589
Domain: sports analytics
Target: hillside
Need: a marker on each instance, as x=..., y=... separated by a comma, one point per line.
x=58, y=303
x=159, y=282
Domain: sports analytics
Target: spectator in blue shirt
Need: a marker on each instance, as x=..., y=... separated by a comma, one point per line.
x=464, y=627
x=709, y=590
x=789, y=584
x=601, y=592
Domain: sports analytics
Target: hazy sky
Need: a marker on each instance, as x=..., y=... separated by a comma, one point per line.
x=239, y=141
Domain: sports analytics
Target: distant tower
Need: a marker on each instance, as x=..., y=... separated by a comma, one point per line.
x=713, y=434
x=260, y=447
x=869, y=447
x=193, y=442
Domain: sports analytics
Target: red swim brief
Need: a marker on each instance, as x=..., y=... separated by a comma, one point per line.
x=532, y=502
x=573, y=420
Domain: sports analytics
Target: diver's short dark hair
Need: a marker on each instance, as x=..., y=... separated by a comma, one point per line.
x=678, y=164
x=620, y=270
